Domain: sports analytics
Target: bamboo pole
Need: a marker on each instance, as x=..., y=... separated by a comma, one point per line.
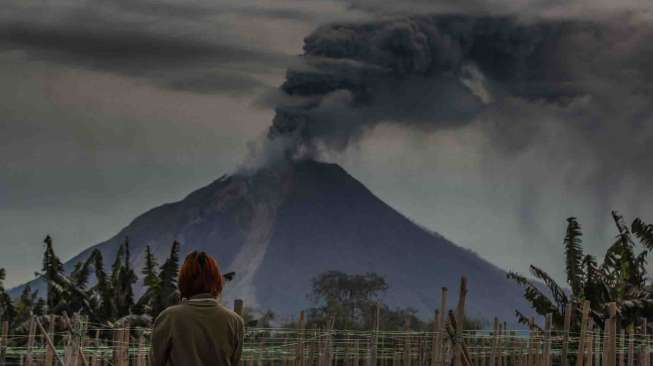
x=29, y=358
x=621, y=347
x=460, y=320
x=300, y=358
x=612, y=312
x=583, y=330
x=569, y=309
x=495, y=342
x=590, y=343
x=49, y=357
x=4, y=342
x=239, y=305
x=49, y=342
x=443, y=326
x=375, y=336
x=547, y=340
x=434, y=338
x=631, y=345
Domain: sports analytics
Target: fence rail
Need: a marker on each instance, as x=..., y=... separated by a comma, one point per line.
x=87, y=344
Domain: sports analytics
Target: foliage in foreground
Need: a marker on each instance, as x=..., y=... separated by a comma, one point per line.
x=620, y=278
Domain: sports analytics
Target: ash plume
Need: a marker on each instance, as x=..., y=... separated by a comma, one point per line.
x=447, y=71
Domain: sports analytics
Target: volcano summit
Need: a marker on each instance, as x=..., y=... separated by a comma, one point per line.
x=279, y=228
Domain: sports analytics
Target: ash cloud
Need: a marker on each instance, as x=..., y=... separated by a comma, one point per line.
x=448, y=71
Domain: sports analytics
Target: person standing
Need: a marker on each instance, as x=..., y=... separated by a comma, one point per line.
x=199, y=331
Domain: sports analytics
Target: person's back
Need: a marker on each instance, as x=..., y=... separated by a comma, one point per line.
x=199, y=331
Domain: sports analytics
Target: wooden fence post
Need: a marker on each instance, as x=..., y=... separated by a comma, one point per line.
x=569, y=309
x=621, y=346
x=4, y=341
x=434, y=338
x=590, y=343
x=631, y=345
x=612, y=334
x=460, y=320
x=29, y=358
x=375, y=337
x=49, y=341
x=547, y=339
x=239, y=305
x=583, y=330
x=495, y=342
x=300, y=350
x=443, y=326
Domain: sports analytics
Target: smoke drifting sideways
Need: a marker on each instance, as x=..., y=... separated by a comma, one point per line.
x=447, y=71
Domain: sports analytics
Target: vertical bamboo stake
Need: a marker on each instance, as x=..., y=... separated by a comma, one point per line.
x=643, y=358
x=597, y=347
x=434, y=338
x=621, y=347
x=300, y=358
x=49, y=357
x=495, y=342
x=460, y=320
x=141, y=349
x=239, y=305
x=612, y=335
x=583, y=330
x=590, y=343
x=504, y=332
x=547, y=340
x=443, y=326
x=631, y=345
x=499, y=345
x=375, y=337
x=4, y=342
x=29, y=358
x=406, y=342
x=49, y=341
x=569, y=309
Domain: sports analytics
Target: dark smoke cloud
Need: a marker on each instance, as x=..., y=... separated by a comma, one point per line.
x=446, y=71
x=195, y=45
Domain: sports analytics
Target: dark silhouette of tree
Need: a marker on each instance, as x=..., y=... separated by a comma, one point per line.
x=7, y=311
x=168, y=278
x=25, y=304
x=350, y=298
x=102, y=289
x=52, y=271
x=620, y=278
x=150, y=303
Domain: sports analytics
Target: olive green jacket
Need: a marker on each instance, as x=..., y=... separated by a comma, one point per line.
x=197, y=332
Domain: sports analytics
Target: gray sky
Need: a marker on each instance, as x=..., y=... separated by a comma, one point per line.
x=112, y=107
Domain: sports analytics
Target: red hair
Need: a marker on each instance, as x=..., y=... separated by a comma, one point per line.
x=200, y=274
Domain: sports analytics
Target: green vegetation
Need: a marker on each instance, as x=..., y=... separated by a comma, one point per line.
x=109, y=299
x=620, y=278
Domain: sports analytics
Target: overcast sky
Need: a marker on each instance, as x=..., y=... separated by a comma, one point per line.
x=112, y=107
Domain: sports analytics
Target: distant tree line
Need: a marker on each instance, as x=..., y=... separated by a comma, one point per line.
x=109, y=299
x=621, y=278
x=350, y=301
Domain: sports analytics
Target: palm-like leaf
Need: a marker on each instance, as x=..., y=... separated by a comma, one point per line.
x=574, y=257
x=644, y=232
x=541, y=303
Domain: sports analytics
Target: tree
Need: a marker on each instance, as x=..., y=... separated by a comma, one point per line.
x=52, y=271
x=350, y=299
x=151, y=302
x=620, y=278
x=168, y=278
x=103, y=290
x=7, y=311
x=25, y=305
x=122, y=280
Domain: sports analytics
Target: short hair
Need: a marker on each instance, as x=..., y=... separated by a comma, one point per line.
x=200, y=274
